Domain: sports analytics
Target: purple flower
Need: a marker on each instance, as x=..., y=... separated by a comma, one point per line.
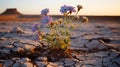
x=65, y=9
x=35, y=27
x=71, y=9
x=45, y=11
x=46, y=19
x=36, y=37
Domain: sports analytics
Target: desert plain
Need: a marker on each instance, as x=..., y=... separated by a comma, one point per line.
x=96, y=44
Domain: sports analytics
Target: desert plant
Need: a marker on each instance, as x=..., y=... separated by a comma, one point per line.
x=59, y=36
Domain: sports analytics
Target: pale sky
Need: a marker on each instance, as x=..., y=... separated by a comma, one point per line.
x=90, y=7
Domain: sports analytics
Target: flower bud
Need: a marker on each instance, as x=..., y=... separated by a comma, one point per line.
x=60, y=20
x=85, y=19
x=51, y=24
x=79, y=7
x=76, y=17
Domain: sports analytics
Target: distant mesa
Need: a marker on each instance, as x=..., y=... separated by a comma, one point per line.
x=11, y=11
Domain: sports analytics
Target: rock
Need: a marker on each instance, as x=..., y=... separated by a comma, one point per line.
x=115, y=42
x=80, y=64
x=3, y=38
x=104, y=29
x=9, y=46
x=4, y=43
x=22, y=60
x=69, y=62
x=111, y=46
x=8, y=63
x=16, y=65
x=83, y=41
x=114, y=54
x=10, y=35
x=78, y=43
x=15, y=58
x=93, y=44
x=101, y=46
x=89, y=56
x=19, y=49
x=17, y=30
x=112, y=65
x=15, y=40
x=41, y=64
x=109, y=63
x=28, y=47
x=107, y=40
x=50, y=64
x=101, y=54
x=81, y=58
x=28, y=41
x=6, y=51
x=59, y=64
x=3, y=33
x=87, y=66
x=43, y=59
x=94, y=62
x=116, y=60
x=75, y=48
x=84, y=49
x=18, y=45
x=27, y=64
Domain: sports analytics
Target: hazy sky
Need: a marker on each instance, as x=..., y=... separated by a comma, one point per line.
x=90, y=7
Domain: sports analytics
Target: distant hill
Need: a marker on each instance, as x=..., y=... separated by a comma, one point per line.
x=11, y=11
x=12, y=14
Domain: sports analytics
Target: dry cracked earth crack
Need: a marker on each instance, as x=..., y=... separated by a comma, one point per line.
x=89, y=49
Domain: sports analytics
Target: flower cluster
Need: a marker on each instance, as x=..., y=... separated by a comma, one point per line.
x=45, y=11
x=46, y=19
x=59, y=30
x=65, y=9
x=35, y=27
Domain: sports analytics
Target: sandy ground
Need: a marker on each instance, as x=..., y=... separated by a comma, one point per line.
x=100, y=40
